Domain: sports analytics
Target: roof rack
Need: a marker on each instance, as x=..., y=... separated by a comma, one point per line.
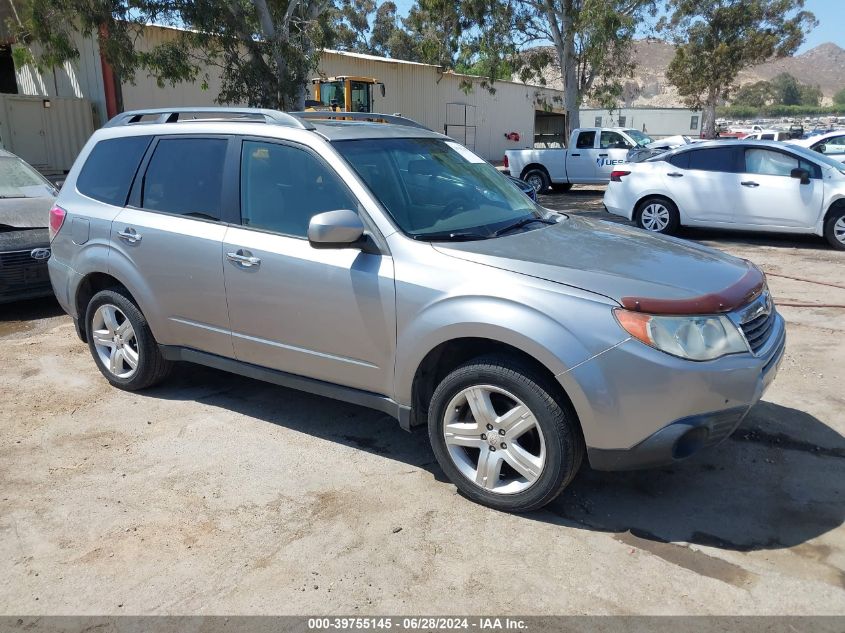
x=372, y=117
x=206, y=114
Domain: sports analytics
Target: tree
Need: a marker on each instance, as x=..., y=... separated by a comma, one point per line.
x=265, y=49
x=755, y=95
x=716, y=39
x=593, y=46
x=839, y=97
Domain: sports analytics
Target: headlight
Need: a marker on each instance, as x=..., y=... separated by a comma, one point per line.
x=690, y=337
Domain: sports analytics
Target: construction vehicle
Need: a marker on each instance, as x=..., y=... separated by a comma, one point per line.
x=344, y=94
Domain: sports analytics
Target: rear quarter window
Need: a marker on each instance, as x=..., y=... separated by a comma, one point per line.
x=108, y=172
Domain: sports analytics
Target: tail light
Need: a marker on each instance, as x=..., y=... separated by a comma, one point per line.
x=617, y=175
x=505, y=162
x=57, y=218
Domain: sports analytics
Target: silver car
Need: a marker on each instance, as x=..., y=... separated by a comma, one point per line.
x=388, y=266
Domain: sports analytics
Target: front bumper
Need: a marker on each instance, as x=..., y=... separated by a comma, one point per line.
x=641, y=408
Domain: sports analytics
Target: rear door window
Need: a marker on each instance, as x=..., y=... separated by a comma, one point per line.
x=586, y=140
x=110, y=168
x=722, y=159
x=185, y=177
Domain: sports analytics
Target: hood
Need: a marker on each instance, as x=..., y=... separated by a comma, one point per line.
x=25, y=213
x=620, y=262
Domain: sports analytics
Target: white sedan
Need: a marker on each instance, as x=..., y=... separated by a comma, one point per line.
x=830, y=144
x=744, y=185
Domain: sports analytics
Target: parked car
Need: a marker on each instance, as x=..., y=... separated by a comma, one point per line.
x=338, y=258
x=745, y=185
x=25, y=201
x=592, y=155
x=831, y=144
x=768, y=135
x=524, y=187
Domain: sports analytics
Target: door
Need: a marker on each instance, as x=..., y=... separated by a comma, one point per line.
x=613, y=151
x=704, y=183
x=580, y=165
x=27, y=125
x=324, y=314
x=833, y=146
x=172, y=236
x=769, y=197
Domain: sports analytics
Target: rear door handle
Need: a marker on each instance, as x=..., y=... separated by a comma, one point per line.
x=749, y=183
x=243, y=258
x=575, y=155
x=129, y=235
x=674, y=174
x=602, y=154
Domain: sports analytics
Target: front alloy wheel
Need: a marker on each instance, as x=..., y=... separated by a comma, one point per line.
x=504, y=434
x=658, y=215
x=494, y=439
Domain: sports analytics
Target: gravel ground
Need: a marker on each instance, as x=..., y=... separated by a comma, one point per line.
x=216, y=494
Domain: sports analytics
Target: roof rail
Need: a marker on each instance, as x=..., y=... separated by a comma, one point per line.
x=372, y=117
x=188, y=113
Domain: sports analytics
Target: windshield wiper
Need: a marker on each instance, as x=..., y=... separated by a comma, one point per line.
x=451, y=236
x=523, y=222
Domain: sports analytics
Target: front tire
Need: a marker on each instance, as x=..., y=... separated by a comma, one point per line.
x=502, y=437
x=121, y=342
x=658, y=215
x=834, y=229
x=537, y=178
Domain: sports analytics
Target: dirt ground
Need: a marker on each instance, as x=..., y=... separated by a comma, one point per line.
x=217, y=494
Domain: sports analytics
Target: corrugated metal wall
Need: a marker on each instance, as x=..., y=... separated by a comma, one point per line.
x=81, y=78
x=48, y=137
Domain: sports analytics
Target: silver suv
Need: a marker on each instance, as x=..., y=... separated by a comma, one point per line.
x=388, y=266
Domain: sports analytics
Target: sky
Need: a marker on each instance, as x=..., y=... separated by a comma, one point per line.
x=828, y=13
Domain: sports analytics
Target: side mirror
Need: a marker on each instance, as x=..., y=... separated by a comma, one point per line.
x=338, y=229
x=802, y=174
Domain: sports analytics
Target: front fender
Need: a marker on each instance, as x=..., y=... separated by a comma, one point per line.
x=558, y=346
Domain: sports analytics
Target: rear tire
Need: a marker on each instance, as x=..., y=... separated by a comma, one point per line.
x=834, y=228
x=502, y=437
x=658, y=215
x=121, y=343
x=537, y=178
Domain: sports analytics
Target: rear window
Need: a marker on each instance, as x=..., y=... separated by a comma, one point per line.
x=185, y=176
x=722, y=159
x=107, y=174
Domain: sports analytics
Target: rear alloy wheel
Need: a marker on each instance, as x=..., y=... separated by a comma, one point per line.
x=501, y=435
x=834, y=229
x=121, y=342
x=658, y=215
x=538, y=179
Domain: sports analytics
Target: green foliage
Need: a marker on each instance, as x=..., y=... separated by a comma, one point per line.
x=778, y=110
x=839, y=97
x=755, y=95
x=784, y=89
x=716, y=39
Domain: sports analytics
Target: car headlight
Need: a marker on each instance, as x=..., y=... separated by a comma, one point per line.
x=691, y=337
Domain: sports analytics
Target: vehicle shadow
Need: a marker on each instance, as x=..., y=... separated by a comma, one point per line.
x=30, y=309
x=776, y=483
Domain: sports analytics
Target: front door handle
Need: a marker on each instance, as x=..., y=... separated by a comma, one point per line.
x=674, y=174
x=129, y=235
x=573, y=155
x=243, y=258
x=602, y=154
x=749, y=183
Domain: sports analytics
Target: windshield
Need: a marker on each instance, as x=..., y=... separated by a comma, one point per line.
x=639, y=138
x=19, y=180
x=436, y=188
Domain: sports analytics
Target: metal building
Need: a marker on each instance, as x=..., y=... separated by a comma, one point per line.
x=488, y=122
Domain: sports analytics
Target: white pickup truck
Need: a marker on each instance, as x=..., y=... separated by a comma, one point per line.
x=591, y=156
